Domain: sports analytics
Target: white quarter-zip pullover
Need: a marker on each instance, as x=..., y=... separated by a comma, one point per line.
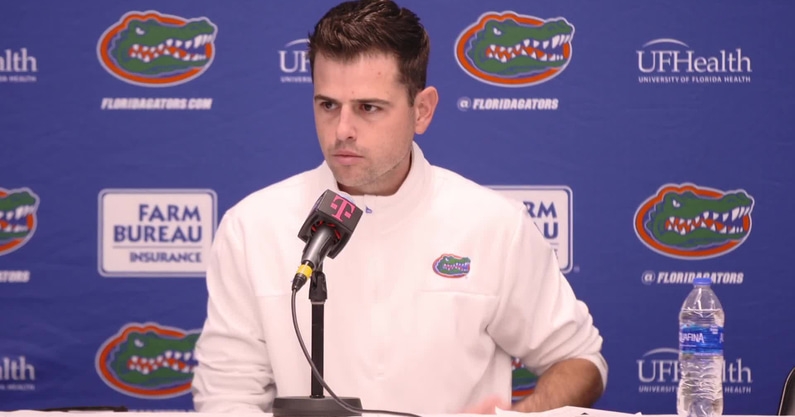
x=402, y=331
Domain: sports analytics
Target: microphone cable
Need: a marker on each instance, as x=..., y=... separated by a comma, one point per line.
x=317, y=375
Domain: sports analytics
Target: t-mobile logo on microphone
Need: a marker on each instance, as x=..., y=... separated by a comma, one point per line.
x=341, y=208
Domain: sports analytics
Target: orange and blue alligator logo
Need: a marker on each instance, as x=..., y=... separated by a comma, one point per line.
x=523, y=381
x=512, y=50
x=148, y=361
x=17, y=218
x=451, y=266
x=687, y=221
x=152, y=49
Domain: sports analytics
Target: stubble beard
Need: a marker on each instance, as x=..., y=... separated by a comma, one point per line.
x=362, y=177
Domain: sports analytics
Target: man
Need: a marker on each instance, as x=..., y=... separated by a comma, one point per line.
x=402, y=332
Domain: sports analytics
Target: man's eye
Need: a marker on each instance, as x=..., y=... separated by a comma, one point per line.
x=327, y=105
x=369, y=108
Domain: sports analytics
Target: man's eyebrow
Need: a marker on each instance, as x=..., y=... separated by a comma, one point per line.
x=374, y=101
x=320, y=97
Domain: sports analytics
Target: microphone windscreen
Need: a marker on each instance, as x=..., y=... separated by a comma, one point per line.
x=335, y=211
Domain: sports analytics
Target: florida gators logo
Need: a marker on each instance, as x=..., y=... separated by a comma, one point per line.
x=523, y=381
x=686, y=221
x=152, y=49
x=148, y=361
x=451, y=266
x=512, y=50
x=17, y=218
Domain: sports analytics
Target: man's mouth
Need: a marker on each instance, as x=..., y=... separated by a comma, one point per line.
x=346, y=158
x=345, y=153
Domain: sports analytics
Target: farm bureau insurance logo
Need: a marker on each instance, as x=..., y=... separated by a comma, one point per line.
x=550, y=207
x=512, y=50
x=687, y=221
x=658, y=373
x=155, y=232
x=294, y=62
x=149, y=360
x=17, y=218
x=671, y=61
x=152, y=49
x=17, y=66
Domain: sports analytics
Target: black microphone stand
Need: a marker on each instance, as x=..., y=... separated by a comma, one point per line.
x=316, y=405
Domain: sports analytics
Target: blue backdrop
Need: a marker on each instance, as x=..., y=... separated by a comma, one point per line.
x=651, y=142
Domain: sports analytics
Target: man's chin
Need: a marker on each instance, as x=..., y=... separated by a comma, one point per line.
x=351, y=185
x=347, y=185
x=348, y=175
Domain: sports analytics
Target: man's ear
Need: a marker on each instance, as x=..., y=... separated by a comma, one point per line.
x=424, y=106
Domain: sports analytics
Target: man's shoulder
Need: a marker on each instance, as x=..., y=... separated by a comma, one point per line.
x=279, y=199
x=467, y=195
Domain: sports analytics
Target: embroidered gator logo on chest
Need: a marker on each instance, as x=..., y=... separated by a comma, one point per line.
x=451, y=266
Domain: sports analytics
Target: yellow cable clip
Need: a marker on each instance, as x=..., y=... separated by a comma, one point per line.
x=304, y=270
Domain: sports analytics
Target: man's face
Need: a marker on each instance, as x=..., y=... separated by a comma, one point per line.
x=364, y=122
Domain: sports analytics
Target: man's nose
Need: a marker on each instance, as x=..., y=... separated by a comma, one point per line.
x=346, y=129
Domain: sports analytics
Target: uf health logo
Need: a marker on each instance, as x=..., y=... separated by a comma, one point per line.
x=687, y=221
x=17, y=374
x=672, y=58
x=294, y=62
x=17, y=218
x=512, y=50
x=658, y=373
x=148, y=360
x=18, y=67
x=152, y=49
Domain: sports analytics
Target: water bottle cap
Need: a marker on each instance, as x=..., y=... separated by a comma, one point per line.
x=702, y=281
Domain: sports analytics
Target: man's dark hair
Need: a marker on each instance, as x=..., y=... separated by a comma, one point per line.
x=354, y=28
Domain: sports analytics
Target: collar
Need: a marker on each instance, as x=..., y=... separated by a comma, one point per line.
x=396, y=207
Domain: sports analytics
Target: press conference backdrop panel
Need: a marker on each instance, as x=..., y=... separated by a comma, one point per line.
x=651, y=142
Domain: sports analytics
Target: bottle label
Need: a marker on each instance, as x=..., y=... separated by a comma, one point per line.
x=701, y=340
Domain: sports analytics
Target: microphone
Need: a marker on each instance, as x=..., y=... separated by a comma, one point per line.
x=326, y=231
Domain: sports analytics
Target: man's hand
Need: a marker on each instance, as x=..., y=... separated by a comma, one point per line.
x=574, y=382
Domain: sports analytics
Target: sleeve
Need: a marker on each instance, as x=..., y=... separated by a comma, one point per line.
x=234, y=372
x=539, y=319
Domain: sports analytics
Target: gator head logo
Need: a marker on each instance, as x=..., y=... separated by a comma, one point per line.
x=512, y=50
x=17, y=218
x=152, y=49
x=148, y=361
x=451, y=266
x=523, y=381
x=691, y=222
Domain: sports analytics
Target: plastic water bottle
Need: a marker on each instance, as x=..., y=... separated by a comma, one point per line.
x=701, y=321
